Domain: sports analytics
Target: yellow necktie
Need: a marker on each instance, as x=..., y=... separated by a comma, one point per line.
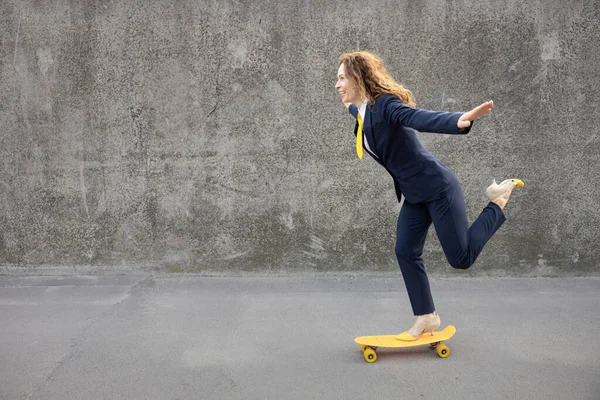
x=359, y=137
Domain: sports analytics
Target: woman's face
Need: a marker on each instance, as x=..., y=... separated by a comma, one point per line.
x=347, y=88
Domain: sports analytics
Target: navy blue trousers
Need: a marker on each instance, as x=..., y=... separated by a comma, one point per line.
x=461, y=243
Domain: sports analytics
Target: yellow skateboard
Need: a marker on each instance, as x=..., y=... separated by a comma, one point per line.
x=369, y=344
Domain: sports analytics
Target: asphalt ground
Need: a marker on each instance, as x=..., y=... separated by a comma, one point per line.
x=263, y=337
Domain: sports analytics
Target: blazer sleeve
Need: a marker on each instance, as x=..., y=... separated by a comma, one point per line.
x=398, y=113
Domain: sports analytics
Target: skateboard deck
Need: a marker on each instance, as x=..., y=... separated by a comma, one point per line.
x=369, y=344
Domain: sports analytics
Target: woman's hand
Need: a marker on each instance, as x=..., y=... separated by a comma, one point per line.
x=465, y=120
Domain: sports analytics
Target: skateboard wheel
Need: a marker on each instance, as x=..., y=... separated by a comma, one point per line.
x=443, y=351
x=370, y=355
x=363, y=348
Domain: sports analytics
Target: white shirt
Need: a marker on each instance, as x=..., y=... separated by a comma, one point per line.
x=362, y=111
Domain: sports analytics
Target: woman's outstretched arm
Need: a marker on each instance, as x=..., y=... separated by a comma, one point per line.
x=398, y=113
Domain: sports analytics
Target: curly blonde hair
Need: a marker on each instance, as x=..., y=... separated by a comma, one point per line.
x=371, y=77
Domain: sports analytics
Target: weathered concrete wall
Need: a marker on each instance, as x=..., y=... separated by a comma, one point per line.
x=208, y=136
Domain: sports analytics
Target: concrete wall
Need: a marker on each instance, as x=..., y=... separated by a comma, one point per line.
x=207, y=135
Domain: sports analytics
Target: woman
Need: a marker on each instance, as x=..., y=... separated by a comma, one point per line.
x=385, y=128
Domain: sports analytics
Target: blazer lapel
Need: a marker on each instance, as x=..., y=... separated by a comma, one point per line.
x=368, y=131
x=354, y=111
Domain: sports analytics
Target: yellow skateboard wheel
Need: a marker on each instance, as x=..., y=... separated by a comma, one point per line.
x=363, y=348
x=370, y=355
x=443, y=350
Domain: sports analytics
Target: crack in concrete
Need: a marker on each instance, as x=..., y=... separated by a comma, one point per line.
x=80, y=336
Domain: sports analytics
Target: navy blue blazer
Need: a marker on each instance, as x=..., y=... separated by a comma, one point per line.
x=389, y=126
